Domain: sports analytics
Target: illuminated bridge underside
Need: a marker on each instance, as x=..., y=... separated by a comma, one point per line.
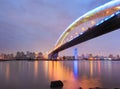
x=102, y=11
x=106, y=26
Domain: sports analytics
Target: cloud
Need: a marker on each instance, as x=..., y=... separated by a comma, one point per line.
x=37, y=24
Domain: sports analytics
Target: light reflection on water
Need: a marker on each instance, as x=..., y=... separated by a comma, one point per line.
x=38, y=74
x=73, y=74
x=36, y=69
x=7, y=71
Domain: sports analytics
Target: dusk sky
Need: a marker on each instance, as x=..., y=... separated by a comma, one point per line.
x=35, y=25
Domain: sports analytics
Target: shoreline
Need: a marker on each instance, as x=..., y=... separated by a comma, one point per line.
x=55, y=60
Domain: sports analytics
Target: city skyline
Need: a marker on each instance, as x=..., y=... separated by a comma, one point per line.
x=35, y=25
x=40, y=56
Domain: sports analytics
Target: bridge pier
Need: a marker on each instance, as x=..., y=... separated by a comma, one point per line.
x=53, y=56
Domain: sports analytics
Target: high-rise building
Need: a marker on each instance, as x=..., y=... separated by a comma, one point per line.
x=75, y=53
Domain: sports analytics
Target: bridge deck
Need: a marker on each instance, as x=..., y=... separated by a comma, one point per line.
x=105, y=26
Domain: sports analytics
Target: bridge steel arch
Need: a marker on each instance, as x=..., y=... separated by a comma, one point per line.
x=106, y=25
x=101, y=11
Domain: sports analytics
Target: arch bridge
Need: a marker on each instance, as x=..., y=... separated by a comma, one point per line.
x=111, y=14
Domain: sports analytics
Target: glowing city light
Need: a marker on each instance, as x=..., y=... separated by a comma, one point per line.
x=83, y=29
x=71, y=36
x=76, y=33
x=107, y=12
x=92, y=22
x=118, y=7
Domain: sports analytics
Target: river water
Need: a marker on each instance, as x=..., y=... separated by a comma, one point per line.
x=74, y=74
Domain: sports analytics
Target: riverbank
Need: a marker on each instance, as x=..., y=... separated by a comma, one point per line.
x=57, y=60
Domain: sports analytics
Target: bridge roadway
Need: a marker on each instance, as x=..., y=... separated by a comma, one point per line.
x=107, y=25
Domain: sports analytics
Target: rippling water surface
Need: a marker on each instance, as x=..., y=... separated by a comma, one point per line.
x=38, y=74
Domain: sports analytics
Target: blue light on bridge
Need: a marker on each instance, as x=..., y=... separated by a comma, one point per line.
x=118, y=12
x=107, y=18
x=100, y=22
x=80, y=34
x=76, y=36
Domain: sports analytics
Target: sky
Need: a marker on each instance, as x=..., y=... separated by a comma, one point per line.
x=35, y=25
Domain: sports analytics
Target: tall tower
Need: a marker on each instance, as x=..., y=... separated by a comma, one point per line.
x=76, y=53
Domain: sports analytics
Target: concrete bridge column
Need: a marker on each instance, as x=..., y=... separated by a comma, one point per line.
x=53, y=56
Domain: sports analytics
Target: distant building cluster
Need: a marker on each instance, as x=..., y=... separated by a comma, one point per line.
x=22, y=56
x=91, y=57
x=39, y=56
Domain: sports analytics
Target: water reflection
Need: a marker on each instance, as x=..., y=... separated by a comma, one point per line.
x=38, y=74
x=36, y=69
x=76, y=69
x=73, y=74
x=7, y=71
x=46, y=65
x=99, y=66
x=91, y=68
